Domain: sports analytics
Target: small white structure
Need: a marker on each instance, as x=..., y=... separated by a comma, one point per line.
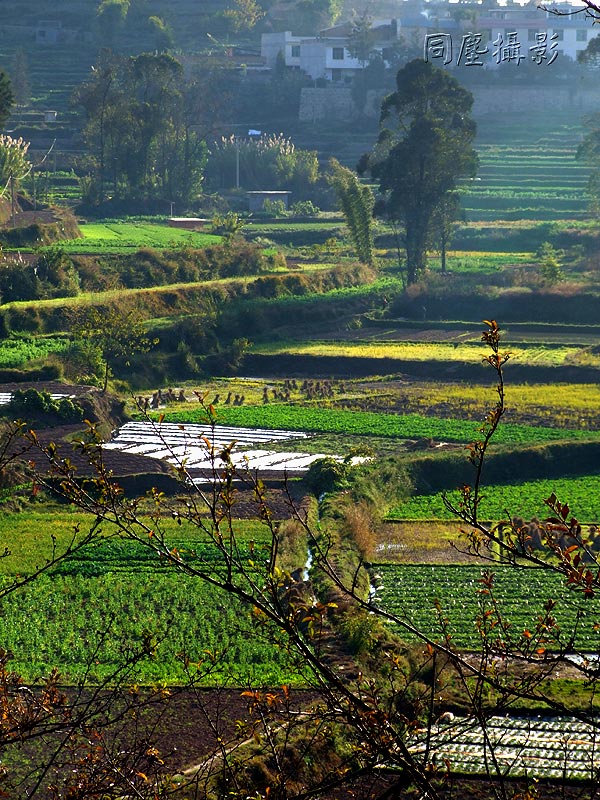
x=256, y=199
x=189, y=223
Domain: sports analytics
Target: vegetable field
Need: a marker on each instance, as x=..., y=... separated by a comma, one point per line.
x=525, y=499
x=523, y=747
x=87, y=624
x=116, y=594
x=16, y=352
x=122, y=237
x=532, y=174
x=412, y=592
x=368, y=423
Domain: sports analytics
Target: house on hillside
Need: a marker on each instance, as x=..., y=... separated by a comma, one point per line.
x=564, y=35
x=521, y=32
x=327, y=56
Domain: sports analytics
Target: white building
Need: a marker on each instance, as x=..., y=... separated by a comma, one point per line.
x=318, y=57
x=566, y=35
x=503, y=33
x=326, y=56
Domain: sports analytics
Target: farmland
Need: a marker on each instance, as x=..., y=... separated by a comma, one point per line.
x=544, y=355
x=411, y=592
x=102, y=601
x=524, y=499
x=536, y=176
x=122, y=237
x=18, y=351
x=366, y=423
x=98, y=605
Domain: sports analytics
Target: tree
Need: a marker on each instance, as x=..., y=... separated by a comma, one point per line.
x=111, y=335
x=356, y=201
x=313, y=15
x=244, y=15
x=424, y=147
x=140, y=129
x=591, y=55
x=7, y=98
x=110, y=20
x=20, y=78
x=444, y=221
x=362, y=37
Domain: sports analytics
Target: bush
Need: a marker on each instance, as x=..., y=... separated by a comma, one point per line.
x=31, y=403
x=305, y=208
x=327, y=475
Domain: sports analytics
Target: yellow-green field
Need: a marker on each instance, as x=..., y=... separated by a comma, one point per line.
x=420, y=351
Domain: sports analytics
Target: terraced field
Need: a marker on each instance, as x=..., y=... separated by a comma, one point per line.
x=528, y=170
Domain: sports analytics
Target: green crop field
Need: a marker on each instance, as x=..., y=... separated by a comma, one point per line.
x=122, y=237
x=528, y=170
x=99, y=604
x=16, y=352
x=367, y=423
x=411, y=591
x=525, y=499
x=86, y=625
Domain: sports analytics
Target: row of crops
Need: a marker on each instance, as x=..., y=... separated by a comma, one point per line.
x=525, y=173
x=422, y=596
x=115, y=596
x=17, y=351
x=89, y=624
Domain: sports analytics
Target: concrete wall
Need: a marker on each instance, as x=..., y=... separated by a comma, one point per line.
x=329, y=103
x=538, y=98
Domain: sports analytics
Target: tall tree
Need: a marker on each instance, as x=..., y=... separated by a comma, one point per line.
x=444, y=222
x=7, y=97
x=362, y=38
x=20, y=78
x=424, y=147
x=140, y=134
x=356, y=201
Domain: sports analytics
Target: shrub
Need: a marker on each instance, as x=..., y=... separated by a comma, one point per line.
x=305, y=208
x=326, y=475
x=31, y=403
